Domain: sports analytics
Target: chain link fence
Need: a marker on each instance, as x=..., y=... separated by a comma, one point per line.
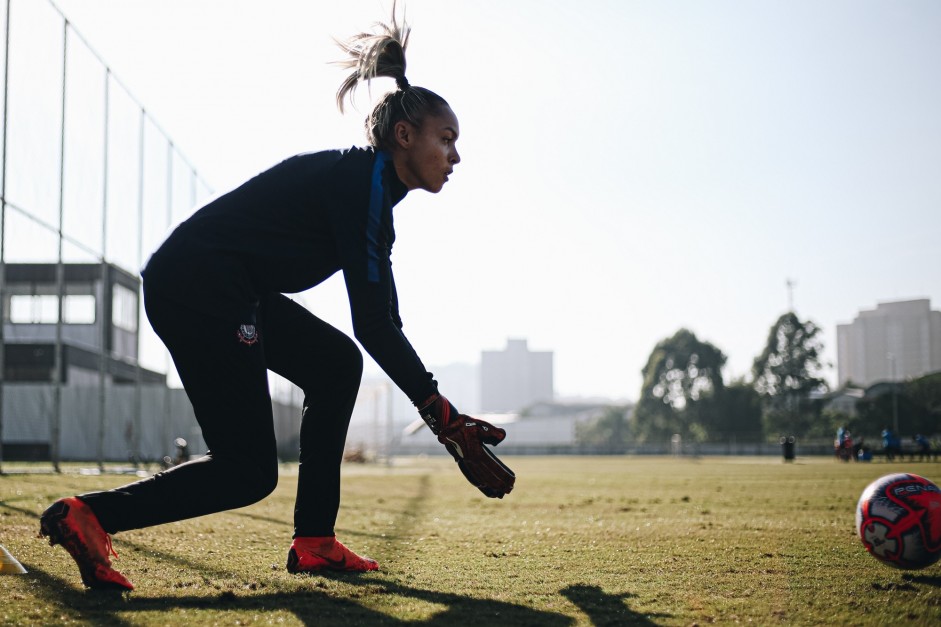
x=89, y=185
x=88, y=180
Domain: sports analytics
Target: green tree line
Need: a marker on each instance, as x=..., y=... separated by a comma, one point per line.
x=683, y=392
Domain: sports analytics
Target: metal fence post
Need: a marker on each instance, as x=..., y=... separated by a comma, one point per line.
x=138, y=396
x=60, y=366
x=3, y=222
x=103, y=308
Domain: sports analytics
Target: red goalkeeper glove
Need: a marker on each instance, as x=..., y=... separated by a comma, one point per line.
x=465, y=438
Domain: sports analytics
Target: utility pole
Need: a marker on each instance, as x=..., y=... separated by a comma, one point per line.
x=790, y=283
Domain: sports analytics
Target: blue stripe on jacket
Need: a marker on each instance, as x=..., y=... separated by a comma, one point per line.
x=374, y=218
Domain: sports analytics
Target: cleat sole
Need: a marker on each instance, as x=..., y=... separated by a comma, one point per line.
x=49, y=522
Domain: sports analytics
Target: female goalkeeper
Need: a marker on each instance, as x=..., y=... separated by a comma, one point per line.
x=213, y=292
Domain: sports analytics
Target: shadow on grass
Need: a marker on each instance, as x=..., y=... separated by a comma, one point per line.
x=606, y=609
x=20, y=510
x=929, y=580
x=315, y=606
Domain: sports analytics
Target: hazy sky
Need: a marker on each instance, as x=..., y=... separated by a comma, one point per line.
x=629, y=168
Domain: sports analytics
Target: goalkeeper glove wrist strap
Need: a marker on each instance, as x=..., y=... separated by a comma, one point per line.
x=437, y=412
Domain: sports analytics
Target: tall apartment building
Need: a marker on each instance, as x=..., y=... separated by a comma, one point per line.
x=515, y=377
x=894, y=341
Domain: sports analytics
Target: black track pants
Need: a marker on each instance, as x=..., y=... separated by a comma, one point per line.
x=223, y=367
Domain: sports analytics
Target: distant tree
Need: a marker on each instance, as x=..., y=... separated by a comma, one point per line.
x=877, y=409
x=610, y=431
x=836, y=415
x=925, y=394
x=917, y=403
x=831, y=419
x=682, y=377
x=786, y=373
x=739, y=413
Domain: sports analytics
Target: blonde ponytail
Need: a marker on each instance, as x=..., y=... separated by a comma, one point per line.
x=373, y=55
x=382, y=54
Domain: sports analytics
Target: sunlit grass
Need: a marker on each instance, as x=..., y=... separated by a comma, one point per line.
x=581, y=541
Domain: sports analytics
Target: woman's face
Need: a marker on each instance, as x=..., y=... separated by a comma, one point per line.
x=425, y=156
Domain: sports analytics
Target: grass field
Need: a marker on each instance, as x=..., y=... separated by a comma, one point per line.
x=582, y=541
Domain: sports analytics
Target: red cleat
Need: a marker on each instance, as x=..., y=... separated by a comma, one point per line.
x=71, y=523
x=313, y=554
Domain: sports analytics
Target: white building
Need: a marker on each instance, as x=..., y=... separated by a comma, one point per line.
x=894, y=341
x=515, y=378
x=543, y=428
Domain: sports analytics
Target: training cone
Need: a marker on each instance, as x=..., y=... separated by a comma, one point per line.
x=8, y=563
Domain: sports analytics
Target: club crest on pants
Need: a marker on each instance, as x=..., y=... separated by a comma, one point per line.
x=247, y=334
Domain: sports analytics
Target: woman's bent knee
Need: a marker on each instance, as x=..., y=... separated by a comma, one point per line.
x=257, y=481
x=352, y=362
x=341, y=373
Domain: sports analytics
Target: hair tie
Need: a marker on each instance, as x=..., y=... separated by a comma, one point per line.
x=402, y=83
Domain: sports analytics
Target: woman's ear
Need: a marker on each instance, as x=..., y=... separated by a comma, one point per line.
x=403, y=133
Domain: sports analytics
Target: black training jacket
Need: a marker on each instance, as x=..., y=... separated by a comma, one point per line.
x=289, y=229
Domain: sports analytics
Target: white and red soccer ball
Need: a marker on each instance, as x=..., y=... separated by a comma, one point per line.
x=898, y=518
